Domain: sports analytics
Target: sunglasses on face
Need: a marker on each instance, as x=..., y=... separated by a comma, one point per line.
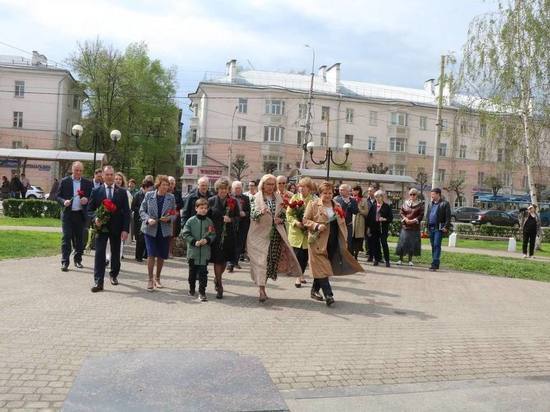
x=412, y=194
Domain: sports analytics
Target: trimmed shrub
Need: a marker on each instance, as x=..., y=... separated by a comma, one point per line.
x=504, y=232
x=31, y=208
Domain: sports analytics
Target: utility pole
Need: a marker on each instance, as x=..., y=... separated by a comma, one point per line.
x=230, y=154
x=307, y=132
x=435, y=180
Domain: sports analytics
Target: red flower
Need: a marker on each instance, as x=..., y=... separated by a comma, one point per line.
x=80, y=193
x=300, y=203
x=211, y=229
x=424, y=235
x=340, y=212
x=231, y=204
x=172, y=212
x=109, y=205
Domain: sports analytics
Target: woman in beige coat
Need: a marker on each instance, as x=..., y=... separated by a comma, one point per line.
x=267, y=243
x=328, y=247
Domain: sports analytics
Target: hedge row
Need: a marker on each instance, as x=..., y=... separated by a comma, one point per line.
x=496, y=231
x=31, y=208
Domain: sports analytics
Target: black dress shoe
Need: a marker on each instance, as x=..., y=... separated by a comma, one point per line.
x=97, y=288
x=139, y=260
x=230, y=268
x=375, y=263
x=316, y=296
x=78, y=265
x=219, y=293
x=329, y=300
x=387, y=264
x=64, y=267
x=114, y=280
x=433, y=268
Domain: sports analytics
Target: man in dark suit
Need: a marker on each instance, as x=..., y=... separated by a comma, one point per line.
x=74, y=215
x=370, y=224
x=117, y=227
x=439, y=224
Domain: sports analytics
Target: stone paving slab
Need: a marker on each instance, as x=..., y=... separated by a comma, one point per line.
x=388, y=326
x=32, y=228
x=173, y=381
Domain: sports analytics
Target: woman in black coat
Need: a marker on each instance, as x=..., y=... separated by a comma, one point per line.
x=380, y=230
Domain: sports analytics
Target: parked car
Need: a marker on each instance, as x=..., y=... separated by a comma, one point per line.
x=495, y=217
x=34, y=192
x=464, y=214
x=545, y=217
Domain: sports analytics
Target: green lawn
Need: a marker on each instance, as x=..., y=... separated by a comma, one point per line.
x=484, y=244
x=19, y=244
x=497, y=266
x=29, y=221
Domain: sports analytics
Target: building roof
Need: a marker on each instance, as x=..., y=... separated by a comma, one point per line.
x=323, y=85
x=40, y=154
x=356, y=176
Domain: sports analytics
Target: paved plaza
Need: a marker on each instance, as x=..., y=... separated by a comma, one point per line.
x=388, y=328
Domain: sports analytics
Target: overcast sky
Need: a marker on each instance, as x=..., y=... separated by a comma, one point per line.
x=394, y=42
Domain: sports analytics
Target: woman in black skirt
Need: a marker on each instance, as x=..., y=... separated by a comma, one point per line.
x=224, y=211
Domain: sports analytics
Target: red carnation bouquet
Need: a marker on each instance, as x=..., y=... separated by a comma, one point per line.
x=103, y=213
x=230, y=206
x=171, y=212
x=340, y=211
x=80, y=193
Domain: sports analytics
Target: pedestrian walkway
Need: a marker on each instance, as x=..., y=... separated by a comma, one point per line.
x=389, y=326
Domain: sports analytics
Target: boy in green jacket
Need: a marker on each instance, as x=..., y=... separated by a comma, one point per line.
x=199, y=233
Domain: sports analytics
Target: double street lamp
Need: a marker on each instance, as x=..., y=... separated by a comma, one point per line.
x=329, y=156
x=77, y=133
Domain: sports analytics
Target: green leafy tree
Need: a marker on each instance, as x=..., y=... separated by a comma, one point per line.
x=134, y=94
x=506, y=66
x=494, y=183
x=379, y=168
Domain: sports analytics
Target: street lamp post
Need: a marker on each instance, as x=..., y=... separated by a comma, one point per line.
x=329, y=156
x=77, y=132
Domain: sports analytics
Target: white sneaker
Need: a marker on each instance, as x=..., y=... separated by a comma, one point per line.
x=411, y=264
x=525, y=256
x=399, y=263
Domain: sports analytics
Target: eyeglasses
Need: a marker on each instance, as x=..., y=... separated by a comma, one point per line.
x=412, y=194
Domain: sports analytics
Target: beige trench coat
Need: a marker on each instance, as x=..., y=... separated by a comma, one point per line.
x=359, y=218
x=257, y=244
x=319, y=262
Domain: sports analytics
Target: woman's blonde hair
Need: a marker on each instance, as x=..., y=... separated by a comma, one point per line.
x=306, y=181
x=264, y=179
x=324, y=186
x=160, y=179
x=121, y=175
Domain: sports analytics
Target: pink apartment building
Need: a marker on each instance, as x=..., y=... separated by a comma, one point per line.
x=38, y=107
x=261, y=116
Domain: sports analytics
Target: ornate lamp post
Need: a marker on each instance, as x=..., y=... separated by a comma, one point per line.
x=77, y=132
x=329, y=156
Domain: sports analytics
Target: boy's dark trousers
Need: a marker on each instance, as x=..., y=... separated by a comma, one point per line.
x=200, y=272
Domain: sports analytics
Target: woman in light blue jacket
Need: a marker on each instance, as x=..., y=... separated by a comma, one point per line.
x=157, y=213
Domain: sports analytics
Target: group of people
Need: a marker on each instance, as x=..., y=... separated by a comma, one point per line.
x=16, y=187
x=280, y=229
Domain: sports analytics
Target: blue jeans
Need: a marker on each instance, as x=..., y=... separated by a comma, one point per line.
x=436, y=236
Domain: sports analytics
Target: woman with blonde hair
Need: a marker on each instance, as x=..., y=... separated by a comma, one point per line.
x=328, y=245
x=297, y=232
x=157, y=215
x=267, y=243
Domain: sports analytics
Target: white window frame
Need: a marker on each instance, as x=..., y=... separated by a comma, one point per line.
x=397, y=170
x=19, y=88
x=480, y=178
x=423, y=123
x=302, y=111
x=243, y=105
x=191, y=155
x=441, y=175
x=462, y=151
x=323, y=139
x=325, y=112
x=371, y=144
x=463, y=127
x=349, y=115
x=373, y=118
x=275, y=107
x=422, y=146
x=300, y=137
x=348, y=138
x=399, y=119
x=18, y=120
x=273, y=134
x=398, y=143
x=500, y=155
x=444, y=124
x=241, y=133
x=482, y=130
x=442, y=149
x=194, y=135
x=482, y=154
x=273, y=158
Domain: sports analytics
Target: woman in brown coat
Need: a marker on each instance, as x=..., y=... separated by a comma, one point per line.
x=267, y=242
x=328, y=246
x=412, y=213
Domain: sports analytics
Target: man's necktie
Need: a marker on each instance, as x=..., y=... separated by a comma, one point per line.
x=109, y=194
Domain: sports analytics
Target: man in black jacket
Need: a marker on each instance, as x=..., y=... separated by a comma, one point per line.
x=73, y=194
x=200, y=192
x=115, y=230
x=438, y=220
